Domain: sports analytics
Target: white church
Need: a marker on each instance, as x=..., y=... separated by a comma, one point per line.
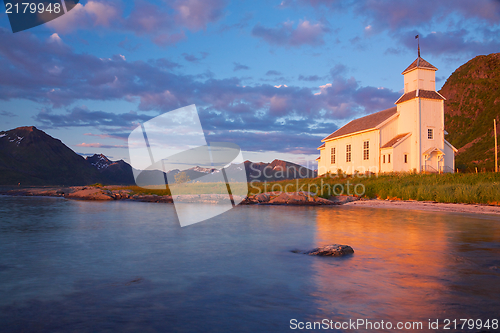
x=406, y=138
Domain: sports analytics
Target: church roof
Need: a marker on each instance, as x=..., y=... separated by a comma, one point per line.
x=429, y=94
x=433, y=149
x=321, y=147
x=419, y=63
x=362, y=124
x=395, y=140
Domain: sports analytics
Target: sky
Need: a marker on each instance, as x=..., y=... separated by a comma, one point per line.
x=273, y=77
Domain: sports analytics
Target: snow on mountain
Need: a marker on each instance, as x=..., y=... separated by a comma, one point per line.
x=203, y=170
x=99, y=161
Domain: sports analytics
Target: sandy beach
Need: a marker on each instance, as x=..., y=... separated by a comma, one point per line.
x=426, y=206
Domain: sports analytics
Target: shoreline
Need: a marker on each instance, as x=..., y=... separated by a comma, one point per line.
x=110, y=193
x=427, y=206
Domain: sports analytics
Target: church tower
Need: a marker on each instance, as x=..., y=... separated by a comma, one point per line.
x=421, y=113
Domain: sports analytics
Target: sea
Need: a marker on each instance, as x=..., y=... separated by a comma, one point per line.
x=125, y=266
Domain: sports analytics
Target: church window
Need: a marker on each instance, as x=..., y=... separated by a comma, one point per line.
x=406, y=158
x=348, y=153
x=366, y=150
x=333, y=155
x=430, y=133
x=388, y=158
x=383, y=158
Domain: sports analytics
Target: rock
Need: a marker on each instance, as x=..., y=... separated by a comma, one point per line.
x=91, y=194
x=152, y=198
x=342, y=199
x=263, y=197
x=300, y=199
x=333, y=250
x=287, y=198
x=122, y=194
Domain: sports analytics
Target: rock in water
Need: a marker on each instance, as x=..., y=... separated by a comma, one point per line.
x=334, y=250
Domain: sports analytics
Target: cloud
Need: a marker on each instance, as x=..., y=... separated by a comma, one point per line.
x=193, y=58
x=311, y=78
x=450, y=43
x=397, y=15
x=92, y=14
x=83, y=117
x=227, y=107
x=165, y=63
x=197, y=14
x=164, y=23
x=99, y=145
x=7, y=114
x=239, y=67
x=273, y=73
x=305, y=33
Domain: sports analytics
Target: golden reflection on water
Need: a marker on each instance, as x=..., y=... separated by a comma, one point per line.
x=407, y=265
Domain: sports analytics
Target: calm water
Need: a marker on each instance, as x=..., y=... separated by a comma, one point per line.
x=129, y=267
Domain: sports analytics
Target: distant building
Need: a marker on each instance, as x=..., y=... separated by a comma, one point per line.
x=407, y=137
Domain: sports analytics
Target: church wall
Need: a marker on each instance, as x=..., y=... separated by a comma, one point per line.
x=357, y=162
x=432, y=118
x=449, y=157
x=384, y=156
x=389, y=131
x=408, y=123
x=324, y=162
x=400, y=150
x=419, y=79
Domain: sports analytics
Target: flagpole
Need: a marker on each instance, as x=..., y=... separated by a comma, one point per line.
x=496, y=153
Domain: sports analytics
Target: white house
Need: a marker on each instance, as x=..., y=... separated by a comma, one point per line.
x=407, y=137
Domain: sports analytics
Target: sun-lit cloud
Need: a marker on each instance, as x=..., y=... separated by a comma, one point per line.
x=99, y=145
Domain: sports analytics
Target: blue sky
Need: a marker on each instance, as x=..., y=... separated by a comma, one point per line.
x=273, y=77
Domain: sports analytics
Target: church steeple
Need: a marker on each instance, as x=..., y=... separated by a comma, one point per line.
x=418, y=41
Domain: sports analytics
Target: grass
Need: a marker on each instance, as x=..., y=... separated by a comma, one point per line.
x=471, y=188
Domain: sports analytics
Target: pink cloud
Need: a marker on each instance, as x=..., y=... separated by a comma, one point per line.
x=99, y=145
x=92, y=14
x=165, y=24
x=197, y=14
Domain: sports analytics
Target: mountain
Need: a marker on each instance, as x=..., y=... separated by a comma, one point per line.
x=257, y=171
x=31, y=157
x=276, y=170
x=119, y=172
x=472, y=102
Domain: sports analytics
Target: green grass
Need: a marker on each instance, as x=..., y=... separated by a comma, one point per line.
x=471, y=188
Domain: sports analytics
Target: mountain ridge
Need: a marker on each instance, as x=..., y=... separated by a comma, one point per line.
x=30, y=156
x=472, y=102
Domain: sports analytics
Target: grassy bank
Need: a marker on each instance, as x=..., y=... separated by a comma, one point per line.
x=469, y=188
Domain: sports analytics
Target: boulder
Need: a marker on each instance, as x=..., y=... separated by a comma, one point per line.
x=342, y=199
x=263, y=197
x=91, y=194
x=333, y=250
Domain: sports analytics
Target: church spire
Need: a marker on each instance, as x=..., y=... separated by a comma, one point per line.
x=418, y=41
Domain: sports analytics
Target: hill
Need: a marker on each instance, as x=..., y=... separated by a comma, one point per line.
x=472, y=102
x=118, y=172
x=31, y=157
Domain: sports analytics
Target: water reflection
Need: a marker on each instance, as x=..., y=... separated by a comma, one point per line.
x=127, y=266
x=408, y=265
